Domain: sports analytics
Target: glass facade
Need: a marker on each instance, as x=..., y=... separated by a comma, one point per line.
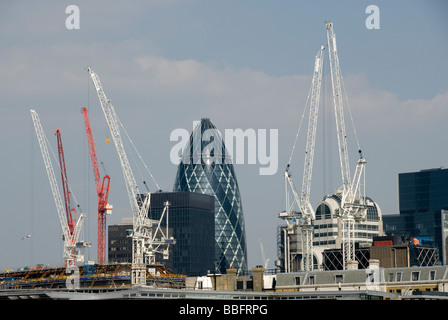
x=119, y=244
x=422, y=197
x=206, y=168
x=192, y=221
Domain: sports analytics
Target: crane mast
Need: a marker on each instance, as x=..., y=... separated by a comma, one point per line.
x=70, y=236
x=147, y=235
x=306, y=207
x=102, y=191
x=338, y=106
x=305, y=219
x=68, y=209
x=139, y=213
x=352, y=203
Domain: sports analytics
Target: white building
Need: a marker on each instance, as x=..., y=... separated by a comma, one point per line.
x=328, y=232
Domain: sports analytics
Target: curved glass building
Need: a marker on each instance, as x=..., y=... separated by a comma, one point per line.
x=206, y=167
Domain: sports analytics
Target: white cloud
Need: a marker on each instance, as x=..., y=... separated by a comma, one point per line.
x=382, y=110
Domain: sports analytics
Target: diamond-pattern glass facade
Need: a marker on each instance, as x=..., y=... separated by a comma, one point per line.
x=205, y=167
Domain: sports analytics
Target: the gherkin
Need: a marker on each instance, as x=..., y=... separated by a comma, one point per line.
x=206, y=167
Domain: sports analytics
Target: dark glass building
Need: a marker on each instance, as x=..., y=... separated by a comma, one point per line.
x=423, y=199
x=119, y=244
x=192, y=220
x=206, y=167
x=191, y=223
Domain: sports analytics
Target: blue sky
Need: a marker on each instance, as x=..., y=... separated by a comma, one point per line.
x=243, y=64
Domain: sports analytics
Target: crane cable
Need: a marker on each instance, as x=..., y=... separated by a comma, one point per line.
x=138, y=153
x=351, y=117
x=300, y=126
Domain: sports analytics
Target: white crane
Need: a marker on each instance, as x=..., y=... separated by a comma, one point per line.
x=305, y=218
x=353, y=207
x=70, y=238
x=147, y=235
x=263, y=255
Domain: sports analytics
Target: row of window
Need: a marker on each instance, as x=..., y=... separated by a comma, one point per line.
x=415, y=276
x=392, y=277
x=362, y=235
x=323, y=210
x=364, y=226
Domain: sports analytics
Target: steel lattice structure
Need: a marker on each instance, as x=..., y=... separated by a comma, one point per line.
x=70, y=235
x=102, y=192
x=147, y=236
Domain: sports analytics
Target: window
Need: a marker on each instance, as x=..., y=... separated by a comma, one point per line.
x=323, y=212
x=399, y=274
x=297, y=280
x=312, y=280
x=415, y=275
x=432, y=275
x=391, y=277
x=339, y=278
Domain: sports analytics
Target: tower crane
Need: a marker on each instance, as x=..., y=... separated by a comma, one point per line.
x=70, y=230
x=102, y=192
x=353, y=206
x=68, y=209
x=147, y=236
x=305, y=218
x=263, y=255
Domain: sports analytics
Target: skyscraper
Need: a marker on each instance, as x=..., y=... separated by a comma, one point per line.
x=423, y=205
x=206, y=168
x=192, y=221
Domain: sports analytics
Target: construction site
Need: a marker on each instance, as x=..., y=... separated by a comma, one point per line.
x=336, y=249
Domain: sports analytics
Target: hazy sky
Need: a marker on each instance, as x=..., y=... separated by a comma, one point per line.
x=244, y=64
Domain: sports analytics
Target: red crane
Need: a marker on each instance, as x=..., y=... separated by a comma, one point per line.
x=68, y=210
x=102, y=191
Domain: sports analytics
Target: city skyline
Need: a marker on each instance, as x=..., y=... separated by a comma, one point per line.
x=247, y=64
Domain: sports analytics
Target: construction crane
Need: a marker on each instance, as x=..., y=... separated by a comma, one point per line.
x=304, y=219
x=263, y=255
x=353, y=205
x=70, y=230
x=102, y=192
x=147, y=236
x=68, y=209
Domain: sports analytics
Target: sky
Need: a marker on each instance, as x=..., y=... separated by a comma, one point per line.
x=244, y=64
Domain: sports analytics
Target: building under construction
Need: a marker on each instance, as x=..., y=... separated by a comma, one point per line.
x=87, y=276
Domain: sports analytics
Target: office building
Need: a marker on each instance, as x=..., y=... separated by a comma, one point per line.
x=191, y=222
x=423, y=208
x=328, y=226
x=120, y=244
x=206, y=167
x=327, y=235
